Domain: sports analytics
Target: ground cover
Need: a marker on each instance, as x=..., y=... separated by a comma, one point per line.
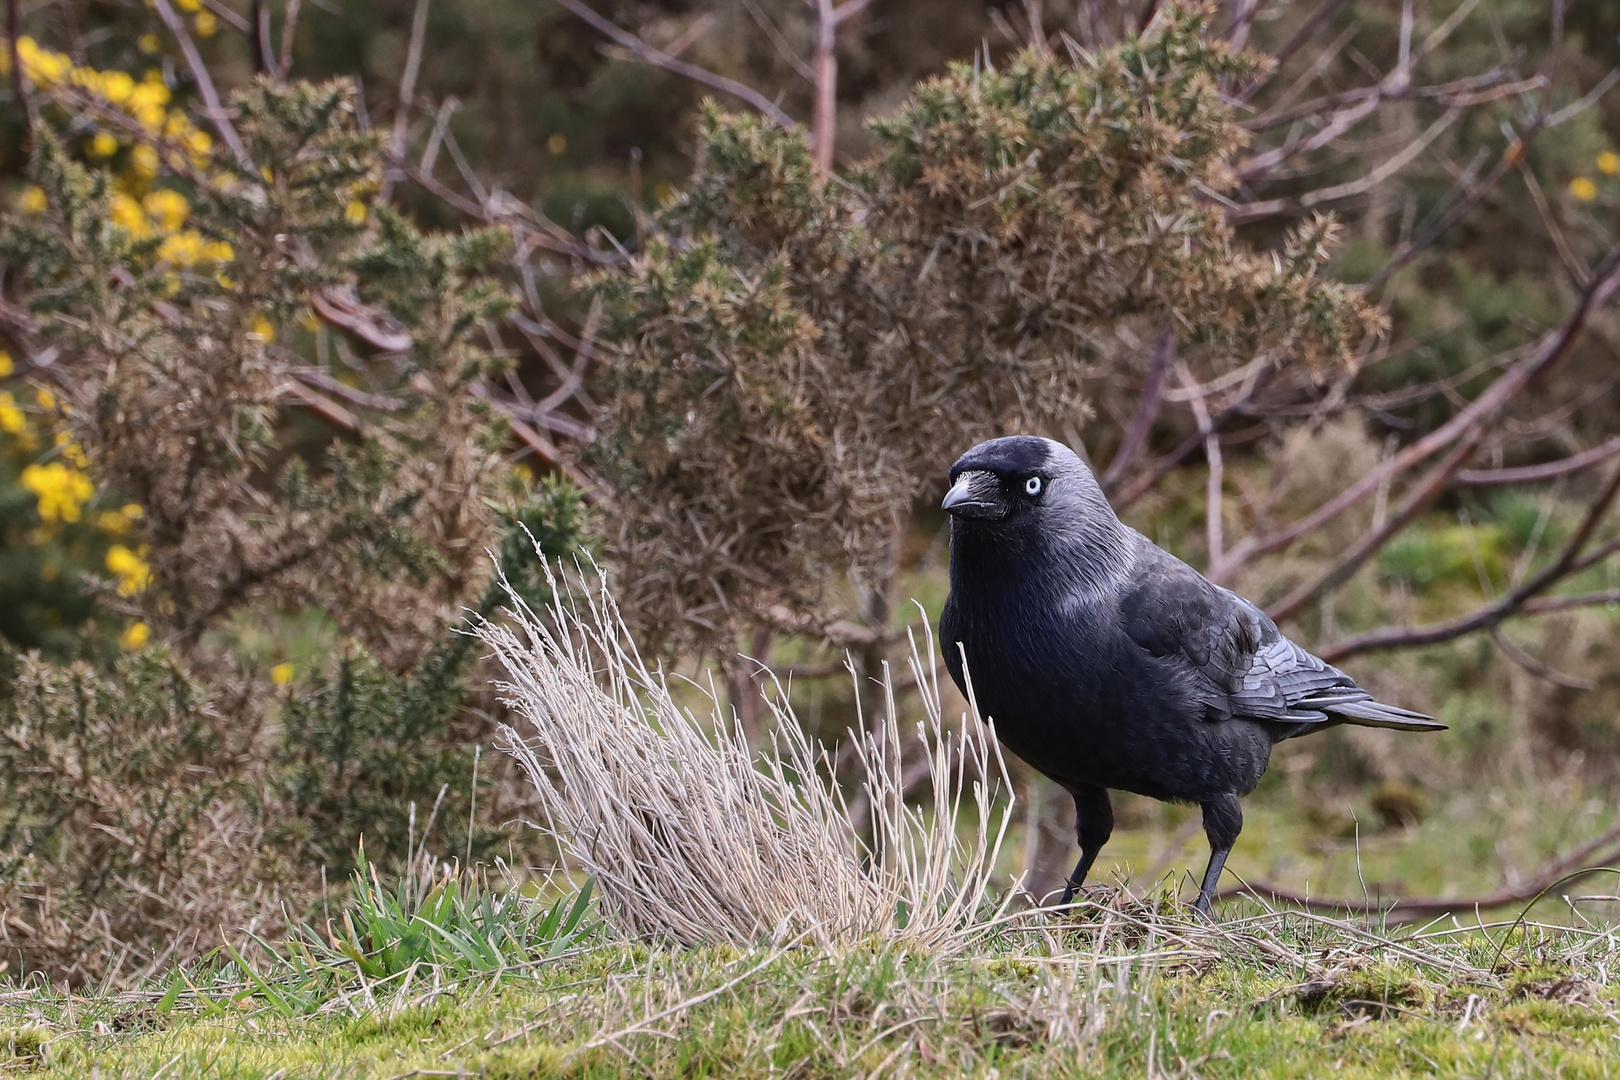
x=1122, y=987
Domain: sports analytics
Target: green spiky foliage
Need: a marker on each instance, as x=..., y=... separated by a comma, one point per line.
x=180, y=404
x=787, y=360
x=194, y=786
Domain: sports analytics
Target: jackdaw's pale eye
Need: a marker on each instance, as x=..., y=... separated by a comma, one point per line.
x=1032, y=486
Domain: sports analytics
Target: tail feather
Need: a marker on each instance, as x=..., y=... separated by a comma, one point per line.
x=1370, y=713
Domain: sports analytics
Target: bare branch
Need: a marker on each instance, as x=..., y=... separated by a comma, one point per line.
x=1488, y=617
x=1530, y=474
x=1547, y=352
x=407, y=85
x=1216, y=476
x=849, y=10
x=1415, y=502
x=1473, y=90
x=1539, y=668
x=1360, y=186
x=1546, y=605
x=780, y=43
x=205, y=84
x=289, y=30
x=1577, y=270
x=1586, y=101
x=231, y=17
x=1603, y=851
x=1147, y=411
x=824, y=63
x=258, y=32
x=1511, y=156
x=660, y=59
x=19, y=87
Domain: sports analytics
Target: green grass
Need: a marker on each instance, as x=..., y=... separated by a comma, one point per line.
x=1124, y=989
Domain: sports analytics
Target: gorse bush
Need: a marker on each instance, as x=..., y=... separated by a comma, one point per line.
x=194, y=785
x=175, y=332
x=795, y=360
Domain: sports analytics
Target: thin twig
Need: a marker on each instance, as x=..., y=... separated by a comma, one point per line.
x=1306, y=31
x=258, y=32
x=1147, y=411
x=1539, y=668
x=1547, y=352
x=1423, y=494
x=1599, y=852
x=205, y=84
x=1215, y=479
x=660, y=59
x=289, y=29
x=1530, y=474
x=19, y=87
x=1360, y=186
x=407, y=86
x=1569, y=562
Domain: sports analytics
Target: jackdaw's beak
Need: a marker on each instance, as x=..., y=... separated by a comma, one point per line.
x=976, y=494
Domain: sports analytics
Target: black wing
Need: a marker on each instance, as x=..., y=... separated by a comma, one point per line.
x=1236, y=660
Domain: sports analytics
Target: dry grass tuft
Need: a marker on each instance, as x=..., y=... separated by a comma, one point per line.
x=695, y=838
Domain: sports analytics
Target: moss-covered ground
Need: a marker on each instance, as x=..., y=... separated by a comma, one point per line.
x=1120, y=989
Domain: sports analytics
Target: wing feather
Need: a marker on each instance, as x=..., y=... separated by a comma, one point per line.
x=1236, y=661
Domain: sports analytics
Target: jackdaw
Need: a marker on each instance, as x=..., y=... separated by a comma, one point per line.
x=1106, y=662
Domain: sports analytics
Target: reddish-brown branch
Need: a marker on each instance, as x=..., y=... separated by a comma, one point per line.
x=258, y=31
x=1514, y=381
x=205, y=84
x=824, y=75
x=659, y=59
x=1306, y=31
x=19, y=86
x=1531, y=474
x=289, y=34
x=1418, y=499
x=1547, y=604
x=1570, y=562
x=1593, y=856
x=1147, y=411
x=824, y=69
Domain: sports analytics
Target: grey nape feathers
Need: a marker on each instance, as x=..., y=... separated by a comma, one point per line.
x=1106, y=662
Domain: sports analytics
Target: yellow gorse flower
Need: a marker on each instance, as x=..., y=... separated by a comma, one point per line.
x=128, y=215
x=190, y=247
x=72, y=452
x=12, y=420
x=132, y=571
x=281, y=674
x=135, y=635
x=168, y=208
x=1608, y=163
x=144, y=161
x=146, y=101
x=60, y=489
x=1583, y=188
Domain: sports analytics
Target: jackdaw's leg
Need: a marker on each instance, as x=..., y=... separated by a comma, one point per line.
x=1093, y=824
x=1223, y=820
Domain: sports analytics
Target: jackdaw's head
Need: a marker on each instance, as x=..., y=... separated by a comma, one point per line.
x=1023, y=490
